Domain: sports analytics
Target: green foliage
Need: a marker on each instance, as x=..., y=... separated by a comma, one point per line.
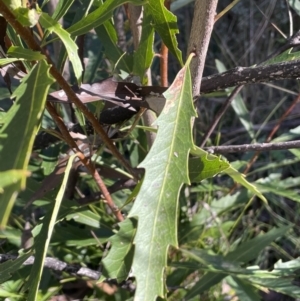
x=165, y=24
x=185, y=229
x=118, y=262
x=53, y=26
x=15, y=146
x=98, y=16
x=144, y=54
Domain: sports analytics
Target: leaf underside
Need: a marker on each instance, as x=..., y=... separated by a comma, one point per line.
x=156, y=205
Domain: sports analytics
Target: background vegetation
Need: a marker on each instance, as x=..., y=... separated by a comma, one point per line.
x=185, y=225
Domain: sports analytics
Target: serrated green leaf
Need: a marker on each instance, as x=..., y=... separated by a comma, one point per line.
x=26, y=54
x=117, y=263
x=166, y=168
x=206, y=167
x=288, y=286
x=233, y=173
x=53, y=26
x=18, y=133
x=99, y=16
x=274, y=184
x=43, y=238
x=165, y=23
x=144, y=54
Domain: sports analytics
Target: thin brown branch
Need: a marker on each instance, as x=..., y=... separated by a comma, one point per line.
x=203, y=22
x=250, y=75
x=253, y=147
x=107, y=197
x=271, y=135
x=62, y=127
x=220, y=114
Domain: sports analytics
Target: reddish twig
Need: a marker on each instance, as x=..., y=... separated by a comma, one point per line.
x=108, y=200
x=62, y=127
x=164, y=53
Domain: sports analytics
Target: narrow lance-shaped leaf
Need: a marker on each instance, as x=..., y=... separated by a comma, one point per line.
x=166, y=168
x=17, y=134
x=108, y=36
x=165, y=23
x=99, y=16
x=42, y=240
x=144, y=55
x=53, y=26
x=61, y=9
x=26, y=54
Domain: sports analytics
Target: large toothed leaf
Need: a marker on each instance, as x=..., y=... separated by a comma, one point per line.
x=165, y=23
x=18, y=133
x=166, y=168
